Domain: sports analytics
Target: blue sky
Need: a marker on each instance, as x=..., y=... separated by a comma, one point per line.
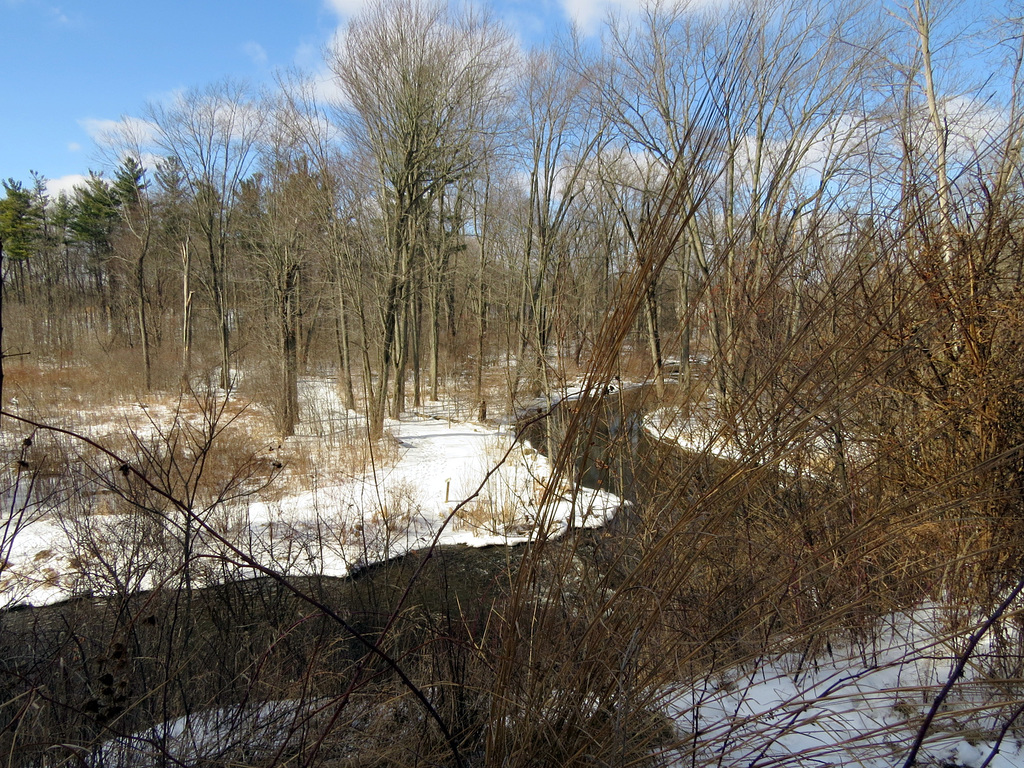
x=72, y=64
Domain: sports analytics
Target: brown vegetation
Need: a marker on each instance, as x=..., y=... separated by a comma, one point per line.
x=767, y=213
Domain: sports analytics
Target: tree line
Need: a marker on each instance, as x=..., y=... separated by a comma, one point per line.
x=456, y=201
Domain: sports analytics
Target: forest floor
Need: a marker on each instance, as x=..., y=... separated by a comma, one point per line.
x=434, y=480
x=441, y=479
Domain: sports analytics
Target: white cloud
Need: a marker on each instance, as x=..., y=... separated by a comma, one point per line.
x=328, y=89
x=52, y=12
x=345, y=8
x=973, y=126
x=118, y=139
x=308, y=55
x=168, y=98
x=97, y=127
x=588, y=14
x=149, y=160
x=65, y=184
x=74, y=146
x=128, y=131
x=256, y=52
x=326, y=85
x=630, y=168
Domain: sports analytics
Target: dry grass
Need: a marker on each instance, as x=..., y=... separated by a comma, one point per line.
x=723, y=564
x=851, y=464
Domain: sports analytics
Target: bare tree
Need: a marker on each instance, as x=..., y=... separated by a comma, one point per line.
x=132, y=190
x=278, y=220
x=304, y=119
x=922, y=21
x=423, y=84
x=561, y=128
x=792, y=127
x=211, y=133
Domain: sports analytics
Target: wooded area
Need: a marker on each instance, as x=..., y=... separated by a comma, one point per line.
x=459, y=206
x=799, y=222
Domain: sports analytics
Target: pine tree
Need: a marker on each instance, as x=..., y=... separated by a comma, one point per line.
x=20, y=220
x=131, y=191
x=96, y=217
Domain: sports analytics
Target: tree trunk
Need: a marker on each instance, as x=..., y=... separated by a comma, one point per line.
x=392, y=307
x=186, y=314
x=140, y=286
x=1, y=330
x=401, y=357
x=435, y=340
x=481, y=308
x=344, y=353
x=288, y=314
x=217, y=277
x=654, y=340
x=685, y=324
x=417, y=321
x=945, y=212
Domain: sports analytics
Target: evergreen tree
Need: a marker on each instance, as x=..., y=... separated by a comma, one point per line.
x=131, y=191
x=20, y=231
x=19, y=222
x=96, y=217
x=130, y=184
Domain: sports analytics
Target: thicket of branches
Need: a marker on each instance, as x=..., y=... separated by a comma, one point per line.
x=799, y=222
x=460, y=203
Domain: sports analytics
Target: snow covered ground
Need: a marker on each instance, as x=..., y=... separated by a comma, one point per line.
x=798, y=451
x=454, y=481
x=858, y=705
x=443, y=481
